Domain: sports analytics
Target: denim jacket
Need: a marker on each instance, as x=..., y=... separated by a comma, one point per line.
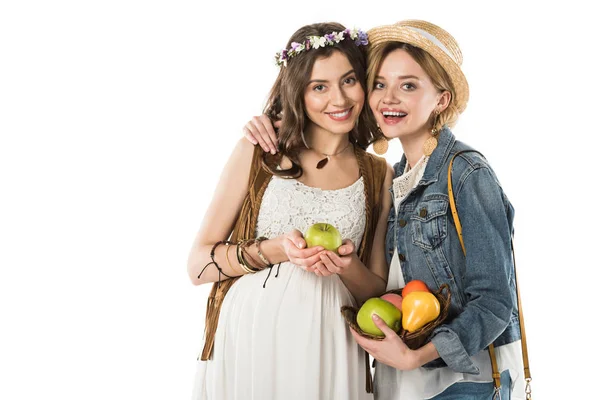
x=484, y=301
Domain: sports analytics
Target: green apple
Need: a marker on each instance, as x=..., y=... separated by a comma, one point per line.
x=386, y=311
x=323, y=234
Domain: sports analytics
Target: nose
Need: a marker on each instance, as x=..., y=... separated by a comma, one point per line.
x=389, y=97
x=338, y=97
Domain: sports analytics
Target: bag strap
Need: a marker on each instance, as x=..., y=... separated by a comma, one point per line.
x=495, y=372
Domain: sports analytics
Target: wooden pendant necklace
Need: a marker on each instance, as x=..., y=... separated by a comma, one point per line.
x=324, y=161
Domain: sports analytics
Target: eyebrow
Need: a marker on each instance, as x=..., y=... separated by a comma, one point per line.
x=400, y=77
x=325, y=81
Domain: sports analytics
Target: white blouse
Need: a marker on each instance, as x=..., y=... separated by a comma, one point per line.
x=421, y=383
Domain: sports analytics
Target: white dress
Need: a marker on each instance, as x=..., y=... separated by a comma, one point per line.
x=289, y=340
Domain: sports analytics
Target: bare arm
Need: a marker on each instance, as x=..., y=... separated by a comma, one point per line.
x=220, y=218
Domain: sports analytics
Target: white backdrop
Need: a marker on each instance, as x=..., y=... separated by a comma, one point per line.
x=116, y=118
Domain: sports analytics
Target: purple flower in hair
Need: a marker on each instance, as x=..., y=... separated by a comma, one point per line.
x=362, y=39
x=314, y=42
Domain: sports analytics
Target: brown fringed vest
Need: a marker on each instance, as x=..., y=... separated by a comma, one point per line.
x=371, y=167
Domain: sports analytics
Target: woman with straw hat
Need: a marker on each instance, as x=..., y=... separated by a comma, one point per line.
x=417, y=92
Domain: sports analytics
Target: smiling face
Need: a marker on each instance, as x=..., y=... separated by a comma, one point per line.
x=333, y=98
x=404, y=98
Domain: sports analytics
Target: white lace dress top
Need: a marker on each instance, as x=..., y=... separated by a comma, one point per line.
x=288, y=340
x=289, y=204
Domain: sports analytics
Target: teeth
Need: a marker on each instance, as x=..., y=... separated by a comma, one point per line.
x=340, y=115
x=393, y=114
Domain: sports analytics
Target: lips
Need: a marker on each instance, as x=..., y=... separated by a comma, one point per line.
x=393, y=116
x=342, y=115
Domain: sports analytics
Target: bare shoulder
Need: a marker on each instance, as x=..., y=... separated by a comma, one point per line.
x=245, y=149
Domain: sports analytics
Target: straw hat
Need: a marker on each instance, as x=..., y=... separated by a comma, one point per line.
x=435, y=41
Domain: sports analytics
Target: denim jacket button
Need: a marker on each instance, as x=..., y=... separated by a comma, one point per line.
x=401, y=257
x=402, y=223
x=423, y=213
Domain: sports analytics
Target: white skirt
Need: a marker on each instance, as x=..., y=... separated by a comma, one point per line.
x=285, y=341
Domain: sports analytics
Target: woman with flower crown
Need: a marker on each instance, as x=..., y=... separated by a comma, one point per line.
x=273, y=327
x=417, y=92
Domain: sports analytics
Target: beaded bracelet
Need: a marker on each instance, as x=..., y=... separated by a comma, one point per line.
x=260, y=254
x=228, y=244
x=212, y=257
x=241, y=260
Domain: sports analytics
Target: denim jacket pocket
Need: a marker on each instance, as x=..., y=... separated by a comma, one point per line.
x=430, y=221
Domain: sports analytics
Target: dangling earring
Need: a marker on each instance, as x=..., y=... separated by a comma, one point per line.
x=380, y=146
x=431, y=143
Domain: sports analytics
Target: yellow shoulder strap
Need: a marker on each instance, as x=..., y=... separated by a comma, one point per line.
x=495, y=372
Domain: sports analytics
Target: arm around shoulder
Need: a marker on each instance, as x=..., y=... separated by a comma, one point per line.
x=377, y=262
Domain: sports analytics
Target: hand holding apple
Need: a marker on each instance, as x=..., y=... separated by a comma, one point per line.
x=293, y=245
x=338, y=264
x=384, y=309
x=323, y=234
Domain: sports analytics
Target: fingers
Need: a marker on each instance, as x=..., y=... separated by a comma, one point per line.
x=261, y=133
x=248, y=134
x=303, y=257
x=329, y=264
x=335, y=259
x=387, y=331
x=346, y=248
x=270, y=131
x=277, y=124
x=362, y=342
x=311, y=261
x=296, y=237
x=250, y=130
x=321, y=270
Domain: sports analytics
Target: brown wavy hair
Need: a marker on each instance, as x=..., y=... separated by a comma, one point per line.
x=286, y=98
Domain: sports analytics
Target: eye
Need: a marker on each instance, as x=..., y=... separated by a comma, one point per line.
x=350, y=81
x=409, y=86
x=378, y=86
x=319, y=88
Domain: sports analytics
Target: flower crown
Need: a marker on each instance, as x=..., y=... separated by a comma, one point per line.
x=314, y=42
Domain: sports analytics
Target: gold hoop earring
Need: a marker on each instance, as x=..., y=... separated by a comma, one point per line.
x=380, y=146
x=432, y=142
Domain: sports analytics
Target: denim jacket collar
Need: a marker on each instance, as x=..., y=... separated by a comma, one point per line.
x=445, y=142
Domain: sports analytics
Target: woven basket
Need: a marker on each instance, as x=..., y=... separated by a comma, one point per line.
x=415, y=339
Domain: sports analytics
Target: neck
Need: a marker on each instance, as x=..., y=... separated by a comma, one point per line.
x=325, y=142
x=413, y=147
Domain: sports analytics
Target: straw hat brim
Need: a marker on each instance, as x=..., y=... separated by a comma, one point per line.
x=393, y=33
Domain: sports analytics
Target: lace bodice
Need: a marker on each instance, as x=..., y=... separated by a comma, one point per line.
x=289, y=204
x=408, y=180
